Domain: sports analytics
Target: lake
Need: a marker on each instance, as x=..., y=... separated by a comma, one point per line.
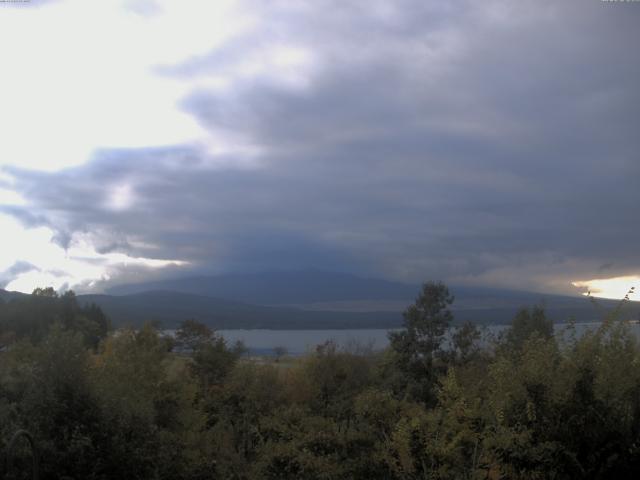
x=298, y=342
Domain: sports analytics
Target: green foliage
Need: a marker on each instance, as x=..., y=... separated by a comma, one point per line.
x=417, y=349
x=330, y=378
x=465, y=343
x=531, y=406
x=191, y=334
x=47, y=390
x=212, y=362
x=526, y=323
x=32, y=317
x=570, y=412
x=146, y=403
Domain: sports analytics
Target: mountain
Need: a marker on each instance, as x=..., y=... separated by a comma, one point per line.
x=170, y=308
x=318, y=299
x=476, y=306
x=7, y=296
x=280, y=288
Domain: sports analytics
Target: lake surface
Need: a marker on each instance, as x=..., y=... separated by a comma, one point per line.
x=298, y=342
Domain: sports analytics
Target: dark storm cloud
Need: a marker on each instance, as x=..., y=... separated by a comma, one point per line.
x=491, y=142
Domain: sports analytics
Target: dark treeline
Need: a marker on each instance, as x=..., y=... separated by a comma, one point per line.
x=132, y=404
x=31, y=317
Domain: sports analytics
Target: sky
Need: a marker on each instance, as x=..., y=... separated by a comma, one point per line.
x=491, y=143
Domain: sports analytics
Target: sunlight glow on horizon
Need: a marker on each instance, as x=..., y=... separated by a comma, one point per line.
x=615, y=288
x=49, y=265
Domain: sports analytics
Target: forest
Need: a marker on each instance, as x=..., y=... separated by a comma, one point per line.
x=441, y=402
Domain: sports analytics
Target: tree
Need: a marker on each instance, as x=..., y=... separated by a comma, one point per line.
x=147, y=403
x=47, y=292
x=33, y=316
x=192, y=334
x=465, y=342
x=57, y=404
x=417, y=347
x=280, y=352
x=527, y=322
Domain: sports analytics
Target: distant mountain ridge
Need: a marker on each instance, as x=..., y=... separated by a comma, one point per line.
x=170, y=308
x=6, y=295
x=276, y=288
x=335, y=297
x=316, y=300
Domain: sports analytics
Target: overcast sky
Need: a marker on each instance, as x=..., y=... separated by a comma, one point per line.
x=483, y=143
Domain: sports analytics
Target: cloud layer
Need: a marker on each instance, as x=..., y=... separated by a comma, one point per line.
x=486, y=143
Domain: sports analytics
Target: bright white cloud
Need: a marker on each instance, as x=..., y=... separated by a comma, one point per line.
x=78, y=76
x=615, y=288
x=54, y=266
x=121, y=198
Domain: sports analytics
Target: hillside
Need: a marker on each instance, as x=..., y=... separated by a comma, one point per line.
x=277, y=288
x=329, y=296
x=8, y=296
x=316, y=300
x=170, y=308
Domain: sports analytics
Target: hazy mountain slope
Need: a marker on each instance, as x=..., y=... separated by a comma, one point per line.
x=7, y=295
x=315, y=299
x=338, y=292
x=274, y=288
x=172, y=307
